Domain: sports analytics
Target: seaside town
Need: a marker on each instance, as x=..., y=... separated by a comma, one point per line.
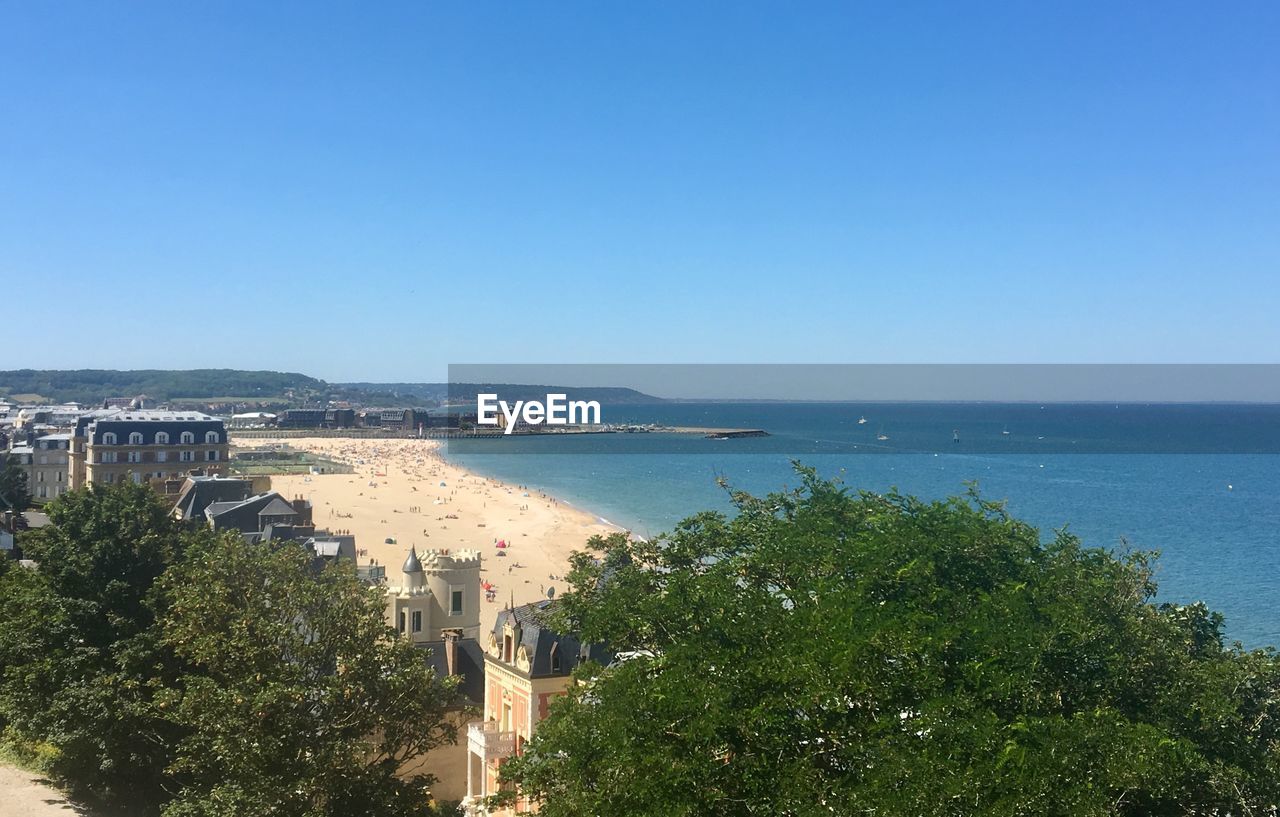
x=572, y=409
x=465, y=562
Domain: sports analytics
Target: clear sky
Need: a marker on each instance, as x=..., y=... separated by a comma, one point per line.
x=372, y=191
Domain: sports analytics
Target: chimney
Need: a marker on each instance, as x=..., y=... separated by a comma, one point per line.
x=451, y=652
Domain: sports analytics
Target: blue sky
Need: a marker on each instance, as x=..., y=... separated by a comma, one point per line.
x=372, y=192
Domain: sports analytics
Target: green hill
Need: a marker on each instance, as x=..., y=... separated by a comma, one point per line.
x=94, y=385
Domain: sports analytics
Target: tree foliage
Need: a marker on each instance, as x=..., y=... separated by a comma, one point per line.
x=94, y=385
x=79, y=652
x=828, y=652
x=300, y=701
x=15, y=493
x=181, y=671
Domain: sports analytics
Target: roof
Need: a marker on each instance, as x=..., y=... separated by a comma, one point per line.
x=469, y=667
x=198, y=493
x=244, y=516
x=325, y=547
x=36, y=519
x=148, y=421
x=411, y=564
x=541, y=642
x=277, y=507
x=156, y=415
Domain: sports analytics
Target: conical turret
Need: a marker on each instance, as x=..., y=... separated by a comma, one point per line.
x=412, y=569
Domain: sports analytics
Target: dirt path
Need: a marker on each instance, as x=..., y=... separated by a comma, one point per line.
x=24, y=794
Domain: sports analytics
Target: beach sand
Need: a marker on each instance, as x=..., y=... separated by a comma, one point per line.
x=404, y=490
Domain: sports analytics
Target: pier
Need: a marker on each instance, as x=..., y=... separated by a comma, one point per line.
x=734, y=433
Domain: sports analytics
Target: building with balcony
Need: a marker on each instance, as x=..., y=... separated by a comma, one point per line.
x=527, y=665
x=110, y=446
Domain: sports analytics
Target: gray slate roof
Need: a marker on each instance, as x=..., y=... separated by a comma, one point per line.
x=540, y=641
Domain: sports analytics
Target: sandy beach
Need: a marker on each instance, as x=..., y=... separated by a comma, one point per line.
x=403, y=490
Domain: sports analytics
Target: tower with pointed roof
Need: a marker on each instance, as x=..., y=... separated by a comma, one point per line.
x=412, y=570
x=439, y=591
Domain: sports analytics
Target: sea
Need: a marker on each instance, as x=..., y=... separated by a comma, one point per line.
x=1199, y=483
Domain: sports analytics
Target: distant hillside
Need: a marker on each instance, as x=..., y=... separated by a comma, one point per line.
x=466, y=392
x=95, y=385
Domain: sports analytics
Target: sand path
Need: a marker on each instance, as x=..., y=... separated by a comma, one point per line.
x=26, y=794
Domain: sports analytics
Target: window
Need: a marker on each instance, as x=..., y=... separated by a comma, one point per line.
x=137, y=477
x=162, y=456
x=402, y=621
x=211, y=438
x=555, y=657
x=42, y=492
x=40, y=476
x=455, y=602
x=109, y=438
x=59, y=476
x=188, y=438
x=507, y=645
x=135, y=438
x=188, y=456
x=417, y=621
x=44, y=460
x=135, y=456
x=162, y=438
x=108, y=456
x=211, y=456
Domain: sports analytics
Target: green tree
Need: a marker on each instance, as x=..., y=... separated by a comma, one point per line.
x=300, y=700
x=80, y=661
x=829, y=652
x=15, y=493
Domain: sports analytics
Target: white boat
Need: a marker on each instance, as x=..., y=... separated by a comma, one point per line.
x=882, y=436
x=862, y=421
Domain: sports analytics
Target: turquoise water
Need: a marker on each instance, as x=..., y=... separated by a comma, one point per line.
x=1215, y=517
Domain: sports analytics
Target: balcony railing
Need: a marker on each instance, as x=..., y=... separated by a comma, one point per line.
x=484, y=739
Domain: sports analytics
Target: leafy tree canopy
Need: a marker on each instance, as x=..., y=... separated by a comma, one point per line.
x=15, y=493
x=183, y=672
x=79, y=655
x=94, y=385
x=300, y=700
x=829, y=652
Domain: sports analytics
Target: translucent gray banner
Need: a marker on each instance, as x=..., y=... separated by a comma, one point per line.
x=804, y=409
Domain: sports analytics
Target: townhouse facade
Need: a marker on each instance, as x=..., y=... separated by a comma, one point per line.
x=111, y=446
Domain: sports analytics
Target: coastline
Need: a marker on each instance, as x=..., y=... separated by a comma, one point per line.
x=406, y=494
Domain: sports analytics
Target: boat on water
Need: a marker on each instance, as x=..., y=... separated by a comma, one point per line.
x=882, y=436
x=862, y=421
x=1006, y=431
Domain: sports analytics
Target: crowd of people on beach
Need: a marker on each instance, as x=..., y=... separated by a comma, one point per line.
x=413, y=472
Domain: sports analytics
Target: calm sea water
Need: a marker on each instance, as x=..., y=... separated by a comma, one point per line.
x=1201, y=484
